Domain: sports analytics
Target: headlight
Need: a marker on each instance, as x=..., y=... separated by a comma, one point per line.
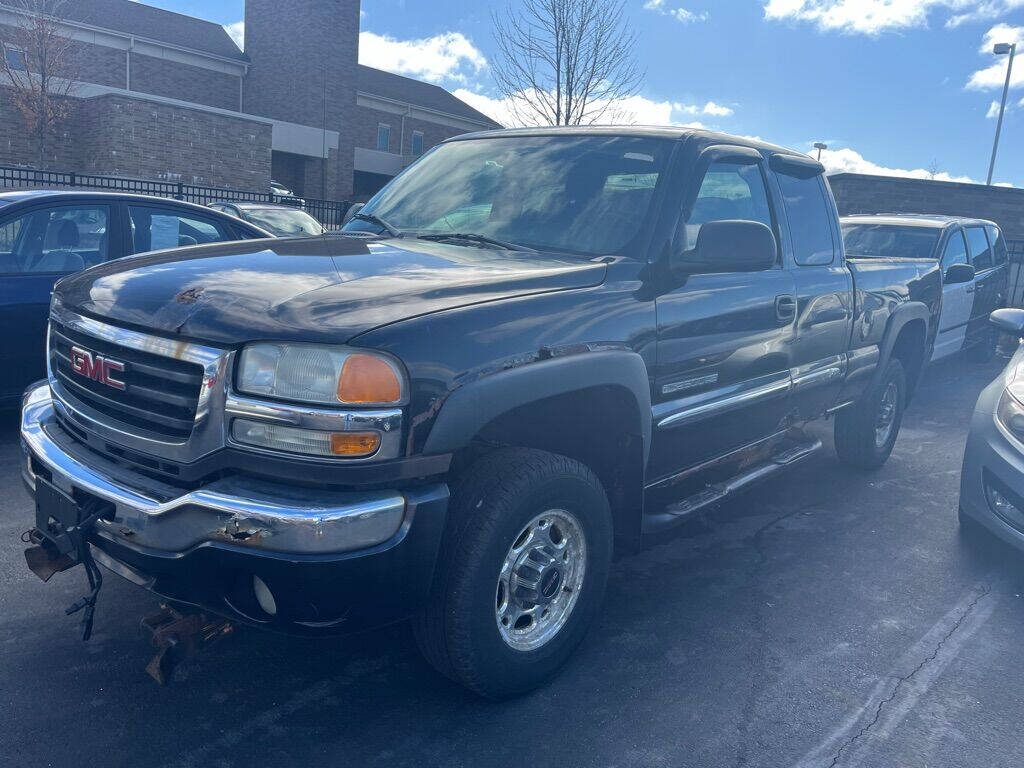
x=320, y=374
x=1010, y=411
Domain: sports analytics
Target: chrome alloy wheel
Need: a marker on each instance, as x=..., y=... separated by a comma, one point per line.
x=886, y=414
x=540, y=580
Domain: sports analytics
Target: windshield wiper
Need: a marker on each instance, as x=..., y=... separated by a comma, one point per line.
x=375, y=219
x=475, y=238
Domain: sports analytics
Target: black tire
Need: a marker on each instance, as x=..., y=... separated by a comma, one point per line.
x=985, y=350
x=856, y=438
x=457, y=631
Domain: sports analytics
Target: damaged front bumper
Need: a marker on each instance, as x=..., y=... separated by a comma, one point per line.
x=330, y=558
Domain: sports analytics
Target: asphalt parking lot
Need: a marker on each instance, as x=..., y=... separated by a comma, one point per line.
x=825, y=619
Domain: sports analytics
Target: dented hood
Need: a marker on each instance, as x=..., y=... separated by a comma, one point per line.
x=317, y=289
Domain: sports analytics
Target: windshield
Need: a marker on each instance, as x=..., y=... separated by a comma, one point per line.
x=589, y=195
x=890, y=241
x=284, y=222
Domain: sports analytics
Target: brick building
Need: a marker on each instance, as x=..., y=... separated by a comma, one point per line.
x=863, y=193
x=161, y=95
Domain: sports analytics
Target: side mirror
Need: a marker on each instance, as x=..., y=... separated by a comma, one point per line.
x=1009, y=320
x=352, y=211
x=958, y=273
x=733, y=245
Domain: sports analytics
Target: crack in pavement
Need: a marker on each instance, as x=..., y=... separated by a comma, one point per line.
x=985, y=590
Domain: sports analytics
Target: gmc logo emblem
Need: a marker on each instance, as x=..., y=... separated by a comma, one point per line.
x=97, y=367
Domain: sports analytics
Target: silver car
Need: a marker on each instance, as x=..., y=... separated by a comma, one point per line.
x=992, y=482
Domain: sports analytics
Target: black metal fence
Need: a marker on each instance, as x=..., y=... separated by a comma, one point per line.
x=330, y=213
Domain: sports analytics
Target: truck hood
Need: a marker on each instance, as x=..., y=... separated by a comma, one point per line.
x=316, y=289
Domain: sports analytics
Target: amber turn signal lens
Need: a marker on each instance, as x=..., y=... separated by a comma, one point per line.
x=368, y=379
x=354, y=443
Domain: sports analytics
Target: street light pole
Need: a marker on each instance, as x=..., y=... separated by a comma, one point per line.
x=820, y=146
x=999, y=50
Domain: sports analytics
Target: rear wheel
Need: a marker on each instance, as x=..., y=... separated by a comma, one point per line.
x=521, y=574
x=866, y=433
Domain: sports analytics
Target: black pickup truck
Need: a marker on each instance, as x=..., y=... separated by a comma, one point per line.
x=531, y=350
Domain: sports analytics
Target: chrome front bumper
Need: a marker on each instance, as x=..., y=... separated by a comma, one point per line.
x=245, y=512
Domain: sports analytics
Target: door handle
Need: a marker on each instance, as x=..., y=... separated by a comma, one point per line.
x=969, y=289
x=785, y=307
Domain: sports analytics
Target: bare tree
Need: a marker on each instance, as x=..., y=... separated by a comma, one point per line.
x=934, y=168
x=39, y=68
x=565, y=62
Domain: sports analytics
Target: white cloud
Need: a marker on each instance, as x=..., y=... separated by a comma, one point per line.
x=993, y=111
x=679, y=13
x=237, y=33
x=711, y=109
x=850, y=161
x=986, y=10
x=449, y=56
x=994, y=75
x=638, y=110
x=872, y=17
x=716, y=110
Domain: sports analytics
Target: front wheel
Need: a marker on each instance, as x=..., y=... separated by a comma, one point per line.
x=866, y=433
x=521, y=574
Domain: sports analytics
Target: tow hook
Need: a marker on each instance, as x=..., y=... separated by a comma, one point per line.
x=179, y=636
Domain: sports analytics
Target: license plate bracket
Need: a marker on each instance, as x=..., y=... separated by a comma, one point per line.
x=56, y=513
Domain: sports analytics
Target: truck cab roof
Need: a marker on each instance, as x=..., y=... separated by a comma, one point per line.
x=650, y=131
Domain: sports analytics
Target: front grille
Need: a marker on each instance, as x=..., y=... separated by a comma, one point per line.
x=161, y=394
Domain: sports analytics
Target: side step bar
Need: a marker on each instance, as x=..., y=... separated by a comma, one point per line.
x=711, y=496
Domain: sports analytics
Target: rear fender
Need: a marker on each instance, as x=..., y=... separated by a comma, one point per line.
x=901, y=318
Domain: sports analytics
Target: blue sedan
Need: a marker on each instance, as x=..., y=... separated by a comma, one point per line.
x=45, y=235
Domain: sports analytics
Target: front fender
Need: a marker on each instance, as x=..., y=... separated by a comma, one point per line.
x=469, y=409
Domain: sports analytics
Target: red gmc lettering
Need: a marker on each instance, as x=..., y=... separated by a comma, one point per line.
x=96, y=367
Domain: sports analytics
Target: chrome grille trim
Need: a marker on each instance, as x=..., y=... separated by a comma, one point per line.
x=207, y=433
x=217, y=404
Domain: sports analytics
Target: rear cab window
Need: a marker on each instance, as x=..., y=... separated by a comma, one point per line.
x=980, y=250
x=809, y=215
x=1000, y=254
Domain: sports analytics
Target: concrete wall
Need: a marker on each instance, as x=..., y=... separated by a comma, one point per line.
x=860, y=193
x=176, y=80
x=288, y=43
x=17, y=147
x=125, y=136
x=90, y=63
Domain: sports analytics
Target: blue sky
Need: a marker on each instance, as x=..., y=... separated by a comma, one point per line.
x=891, y=85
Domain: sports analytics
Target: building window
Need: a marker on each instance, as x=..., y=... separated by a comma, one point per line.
x=14, y=58
x=383, y=137
x=417, y=143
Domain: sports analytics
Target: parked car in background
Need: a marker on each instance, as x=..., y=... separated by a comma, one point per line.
x=285, y=195
x=992, y=479
x=279, y=220
x=975, y=270
x=529, y=349
x=46, y=235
